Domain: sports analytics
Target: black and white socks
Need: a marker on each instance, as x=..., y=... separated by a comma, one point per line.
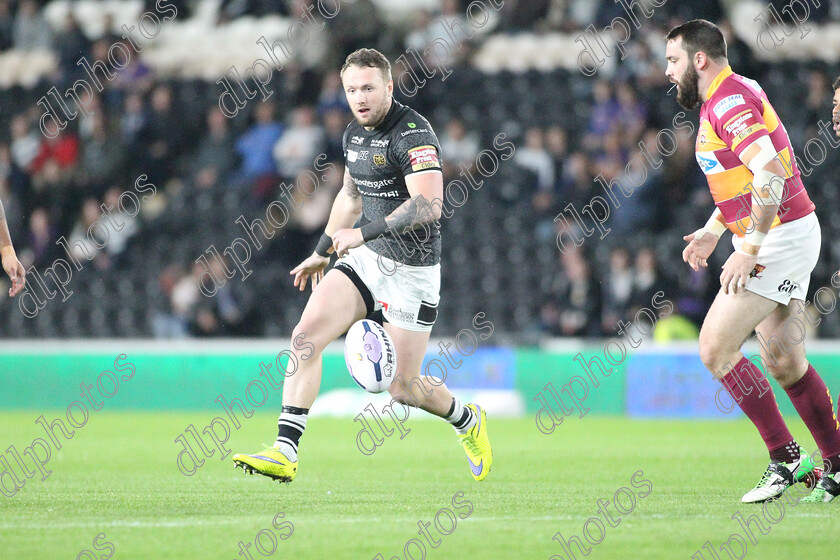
x=290, y=427
x=461, y=417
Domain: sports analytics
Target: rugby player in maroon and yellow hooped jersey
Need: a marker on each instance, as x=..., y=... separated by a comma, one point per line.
x=746, y=154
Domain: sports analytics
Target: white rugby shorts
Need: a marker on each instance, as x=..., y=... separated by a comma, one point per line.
x=407, y=295
x=786, y=259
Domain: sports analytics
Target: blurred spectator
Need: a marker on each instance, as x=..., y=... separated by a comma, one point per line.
x=332, y=96
x=457, y=147
x=535, y=158
x=602, y=117
x=87, y=239
x=14, y=191
x=300, y=144
x=648, y=280
x=137, y=76
x=63, y=150
x=163, y=136
x=102, y=159
x=358, y=24
x=427, y=30
x=133, y=120
x=31, y=30
x=172, y=323
x=26, y=142
x=230, y=312
x=617, y=290
x=609, y=159
x=71, y=45
x=335, y=123
x=644, y=209
x=6, y=26
x=120, y=227
x=216, y=146
x=572, y=299
x=631, y=116
x=524, y=15
x=256, y=144
x=818, y=101
x=40, y=249
x=232, y=9
x=738, y=52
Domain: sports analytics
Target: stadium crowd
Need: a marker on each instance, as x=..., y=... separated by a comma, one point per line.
x=208, y=170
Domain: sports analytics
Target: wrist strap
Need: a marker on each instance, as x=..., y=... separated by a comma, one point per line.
x=755, y=237
x=374, y=229
x=324, y=244
x=715, y=226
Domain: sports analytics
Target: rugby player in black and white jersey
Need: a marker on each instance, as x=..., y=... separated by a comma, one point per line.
x=393, y=185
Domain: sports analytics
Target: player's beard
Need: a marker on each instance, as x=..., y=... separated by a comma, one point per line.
x=688, y=95
x=375, y=116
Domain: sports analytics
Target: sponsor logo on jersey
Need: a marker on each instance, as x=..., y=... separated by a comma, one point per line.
x=357, y=140
x=787, y=286
x=353, y=155
x=380, y=143
x=413, y=131
x=411, y=125
x=708, y=163
x=738, y=123
x=374, y=184
x=727, y=103
x=423, y=157
x=378, y=159
x=759, y=268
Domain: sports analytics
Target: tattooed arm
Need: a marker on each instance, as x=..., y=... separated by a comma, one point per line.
x=11, y=264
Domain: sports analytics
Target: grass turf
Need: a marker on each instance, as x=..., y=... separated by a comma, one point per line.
x=118, y=476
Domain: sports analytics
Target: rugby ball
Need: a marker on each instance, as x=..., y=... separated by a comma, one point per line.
x=370, y=356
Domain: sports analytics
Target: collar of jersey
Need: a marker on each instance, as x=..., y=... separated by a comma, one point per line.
x=725, y=73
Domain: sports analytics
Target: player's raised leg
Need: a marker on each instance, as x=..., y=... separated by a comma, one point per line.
x=413, y=389
x=787, y=363
x=730, y=321
x=335, y=304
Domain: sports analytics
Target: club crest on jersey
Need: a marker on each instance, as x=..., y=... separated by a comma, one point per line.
x=378, y=159
x=423, y=157
x=727, y=103
x=755, y=273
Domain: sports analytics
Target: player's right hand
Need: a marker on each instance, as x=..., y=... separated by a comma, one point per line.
x=15, y=270
x=697, y=252
x=313, y=267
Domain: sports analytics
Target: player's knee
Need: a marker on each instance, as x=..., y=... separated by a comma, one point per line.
x=710, y=354
x=307, y=340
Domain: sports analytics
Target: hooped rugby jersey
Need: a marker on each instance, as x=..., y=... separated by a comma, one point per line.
x=379, y=160
x=736, y=114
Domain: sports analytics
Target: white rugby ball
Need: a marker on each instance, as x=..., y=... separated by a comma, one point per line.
x=370, y=356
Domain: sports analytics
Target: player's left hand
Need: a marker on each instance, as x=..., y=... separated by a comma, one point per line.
x=346, y=239
x=736, y=271
x=16, y=272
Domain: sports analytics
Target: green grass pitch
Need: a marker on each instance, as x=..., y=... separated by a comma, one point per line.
x=117, y=476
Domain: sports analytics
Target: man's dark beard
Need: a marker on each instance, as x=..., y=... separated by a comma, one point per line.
x=689, y=93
